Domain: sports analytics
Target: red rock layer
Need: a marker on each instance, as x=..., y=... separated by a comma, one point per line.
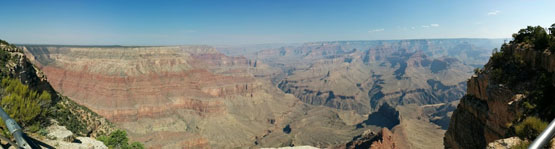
x=386, y=141
x=147, y=82
x=175, y=140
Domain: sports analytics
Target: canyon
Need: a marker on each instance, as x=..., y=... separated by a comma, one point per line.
x=320, y=94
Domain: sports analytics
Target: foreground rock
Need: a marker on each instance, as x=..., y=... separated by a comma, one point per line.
x=59, y=137
x=504, y=143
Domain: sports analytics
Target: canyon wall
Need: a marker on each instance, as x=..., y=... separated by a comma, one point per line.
x=187, y=96
x=490, y=108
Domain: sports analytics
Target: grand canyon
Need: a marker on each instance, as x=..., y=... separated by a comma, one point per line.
x=277, y=74
x=195, y=96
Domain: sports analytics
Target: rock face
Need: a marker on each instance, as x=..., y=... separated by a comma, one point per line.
x=384, y=139
x=485, y=111
x=489, y=109
x=123, y=84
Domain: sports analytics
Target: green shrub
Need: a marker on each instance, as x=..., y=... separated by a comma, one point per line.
x=528, y=106
x=43, y=132
x=136, y=145
x=25, y=106
x=118, y=139
x=530, y=128
x=66, y=118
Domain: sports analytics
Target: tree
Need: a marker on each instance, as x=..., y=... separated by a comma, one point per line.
x=552, y=33
x=534, y=35
x=552, y=30
x=118, y=139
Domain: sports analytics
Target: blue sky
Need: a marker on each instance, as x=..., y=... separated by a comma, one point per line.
x=263, y=21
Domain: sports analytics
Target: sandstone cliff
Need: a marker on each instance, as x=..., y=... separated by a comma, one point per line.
x=516, y=83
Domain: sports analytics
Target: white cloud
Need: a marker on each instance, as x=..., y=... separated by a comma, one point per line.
x=431, y=25
x=492, y=13
x=376, y=30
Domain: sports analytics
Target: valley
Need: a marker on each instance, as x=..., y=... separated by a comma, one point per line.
x=319, y=94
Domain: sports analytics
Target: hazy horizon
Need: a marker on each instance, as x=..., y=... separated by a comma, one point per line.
x=246, y=44
x=262, y=22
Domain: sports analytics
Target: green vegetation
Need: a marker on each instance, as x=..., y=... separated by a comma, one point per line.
x=118, y=139
x=66, y=118
x=552, y=33
x=5, y=57
x=5, y=45
x=26, y=106
x=508, y=68
x=530, y=128
x=533, y=35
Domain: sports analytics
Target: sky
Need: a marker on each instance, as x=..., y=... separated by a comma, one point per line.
x=234, y=22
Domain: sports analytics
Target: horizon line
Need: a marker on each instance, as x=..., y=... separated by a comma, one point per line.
x=216, y=45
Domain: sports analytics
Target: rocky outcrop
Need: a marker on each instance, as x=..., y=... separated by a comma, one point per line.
x=506, y=143
x=384, y=139
x=485, y=111
x=59, y=137
x=489, y=109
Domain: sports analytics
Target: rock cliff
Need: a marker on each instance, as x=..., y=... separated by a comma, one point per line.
x=513, y=85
